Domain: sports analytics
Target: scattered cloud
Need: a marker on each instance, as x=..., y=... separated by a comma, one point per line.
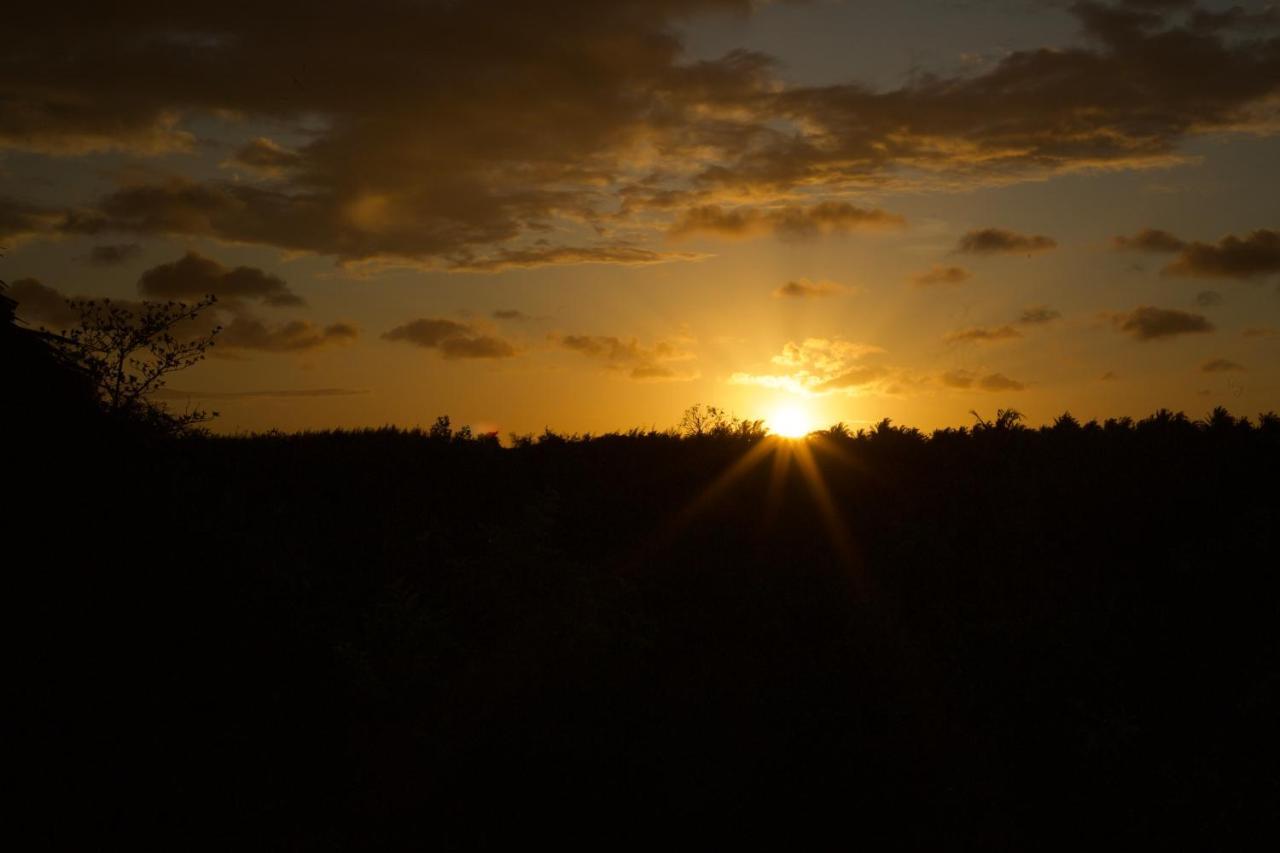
x=451, y=339
x=240, y=328
x=999, y=382
x=1221, y=365
x=805, y=289
x=42, y=305
x=265, y=156
x=1149, y=240
x=509, y=314
x=279, y=394
x=1148, y=323
x=113, y=254
x=661, y=361
x=1208, y=298
x=788, y=222
x=1252, y=256
x=541, y=256
x=938, y=274
x=248, y=332
x=1260, y=332
x=193, y=276
x=998, y=241
x=983, y=335
x=819, y=366
x=967, y=379
x=1039, y=315
x=1109, y=376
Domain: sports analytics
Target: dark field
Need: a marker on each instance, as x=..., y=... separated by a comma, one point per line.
x=999, y=638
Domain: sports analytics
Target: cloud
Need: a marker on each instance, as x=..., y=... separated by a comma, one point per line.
x=1208, y=298
x=1221, y=365
x=1039, y=315
x=938, y=274
x=561, y=255
x=1109, y=376
x=509, y=314
x=967, y=379
x=239, y=328
x=451, y=339
x=265, y=156
x=1260, y=332
x=250, y=333
x=657, y=362
x=820, y=366
x=111, y=255
x=1148, y=323
x=280, y=394
x=998, y=241
x=527, y=118
x=1149, y=240
x=789, y=222
x=194, y=275
x=1252, y=256
x=40, y=304
x=983, y=335
x=999, y=382
x=805, y=289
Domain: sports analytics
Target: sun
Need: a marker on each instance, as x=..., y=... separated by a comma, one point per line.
x=790, y=422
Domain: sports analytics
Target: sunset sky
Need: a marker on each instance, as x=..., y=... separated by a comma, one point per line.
x=591, y=215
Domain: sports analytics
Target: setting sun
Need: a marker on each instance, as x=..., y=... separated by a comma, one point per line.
x=790, y=422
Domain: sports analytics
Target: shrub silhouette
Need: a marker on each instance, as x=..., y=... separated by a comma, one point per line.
x=998, y=637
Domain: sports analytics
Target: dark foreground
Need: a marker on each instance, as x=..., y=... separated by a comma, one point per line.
x=1002, y=639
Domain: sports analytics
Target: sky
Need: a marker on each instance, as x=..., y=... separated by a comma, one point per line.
x=589, y=216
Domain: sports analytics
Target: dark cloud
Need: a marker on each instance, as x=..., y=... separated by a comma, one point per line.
x=998, y=241
x=1260, y=332
x=193, y=276
x=788, y=222
x=42, y=305
x=509, y=314
x=445, y=132
x=1147, y=323
x=1252, y=256
x=113, y=254
x=660, y=361
x=1109, y=376
x=1149, y=240
x=805, y=289
x=451, y=339
x=983, y=335
x=1208, y=298
x=1039, y=315
x=1221, y=365
x=938, y=274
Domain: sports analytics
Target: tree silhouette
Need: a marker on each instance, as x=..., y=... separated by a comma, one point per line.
x=128, y=351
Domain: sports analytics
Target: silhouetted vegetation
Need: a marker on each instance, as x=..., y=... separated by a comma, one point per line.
x=997, y=637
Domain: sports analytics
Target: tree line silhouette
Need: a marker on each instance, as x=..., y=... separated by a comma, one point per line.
x=993, y=636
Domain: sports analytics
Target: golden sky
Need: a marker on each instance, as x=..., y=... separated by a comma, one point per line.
x=591, y=215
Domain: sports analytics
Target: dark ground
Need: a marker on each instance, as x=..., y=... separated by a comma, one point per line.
x=1003, y=639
